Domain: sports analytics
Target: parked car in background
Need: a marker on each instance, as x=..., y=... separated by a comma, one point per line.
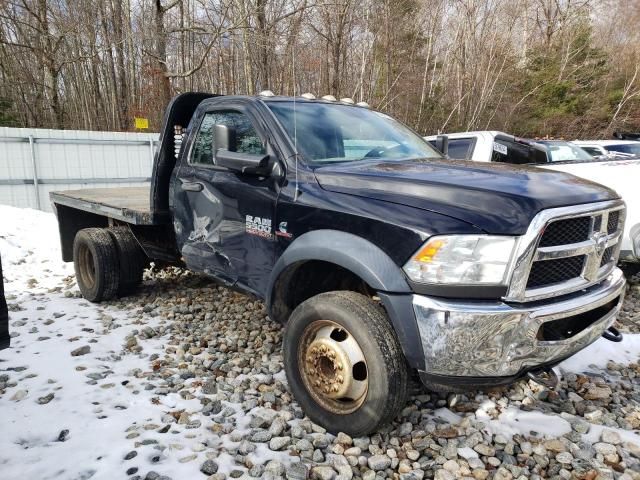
x=619, y=174
x=627, y=136
x=622, y=148
x=563, y=151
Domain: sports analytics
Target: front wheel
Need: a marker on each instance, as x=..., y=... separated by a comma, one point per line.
x=344, y=363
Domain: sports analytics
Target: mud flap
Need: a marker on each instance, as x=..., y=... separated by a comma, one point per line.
x=4, y=315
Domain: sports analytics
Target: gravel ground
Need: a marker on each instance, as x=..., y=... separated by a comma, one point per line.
x=629, y=318
x=231, y=348
x=219, y=379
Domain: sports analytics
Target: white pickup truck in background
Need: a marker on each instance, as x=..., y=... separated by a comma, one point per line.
x=619, y=174
x=618, y=148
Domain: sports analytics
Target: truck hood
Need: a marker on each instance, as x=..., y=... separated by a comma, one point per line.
x=497, y=198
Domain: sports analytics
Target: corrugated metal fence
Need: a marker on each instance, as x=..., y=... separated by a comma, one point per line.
x=34, y=161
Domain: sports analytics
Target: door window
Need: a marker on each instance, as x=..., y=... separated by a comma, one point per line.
x=461, y=148
x=247, y=139
x=593, y=151
x=458, y=148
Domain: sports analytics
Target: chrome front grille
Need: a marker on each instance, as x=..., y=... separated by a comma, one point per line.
x=549, y=272
x=567, y=249
x=613, y=221
x=563, y=232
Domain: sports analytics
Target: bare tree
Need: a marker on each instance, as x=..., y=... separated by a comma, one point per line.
x=559, y=67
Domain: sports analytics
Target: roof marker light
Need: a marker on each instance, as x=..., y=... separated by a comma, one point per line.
x=266, y=93
x=347, y=100
x=308, y=96
x=329, y=98
x=363, y=104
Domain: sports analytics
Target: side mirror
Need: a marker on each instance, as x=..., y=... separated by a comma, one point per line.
x=442, y=144
x=224, y=138
x=224, y=144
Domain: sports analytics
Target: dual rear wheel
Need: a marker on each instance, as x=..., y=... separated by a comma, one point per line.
x=107, y=262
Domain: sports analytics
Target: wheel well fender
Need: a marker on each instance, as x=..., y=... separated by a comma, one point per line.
x=353, y=253
x=334, y=260
x=70, y=222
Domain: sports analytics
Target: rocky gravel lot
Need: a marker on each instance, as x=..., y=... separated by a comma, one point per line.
x=226, y=342
x=185, y=380
x=629, y=318
x=221, y=358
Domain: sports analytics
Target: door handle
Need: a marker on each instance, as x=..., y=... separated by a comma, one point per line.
x=192, y=186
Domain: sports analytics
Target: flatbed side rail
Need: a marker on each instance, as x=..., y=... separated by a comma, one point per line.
x=73, y=214
x=109, y=208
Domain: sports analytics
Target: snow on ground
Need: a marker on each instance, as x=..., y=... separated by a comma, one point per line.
x=53, y=321
x=602, y=351
x=77, y=417
x=30, y=250
x=516, y=422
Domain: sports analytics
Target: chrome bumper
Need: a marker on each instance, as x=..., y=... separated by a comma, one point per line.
x=494, y=339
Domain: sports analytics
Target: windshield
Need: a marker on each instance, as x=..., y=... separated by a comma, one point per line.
x=341, y=133
x=631, y=148
x=565, y=152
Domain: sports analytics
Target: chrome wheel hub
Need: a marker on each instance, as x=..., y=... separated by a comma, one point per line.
x=333, y=367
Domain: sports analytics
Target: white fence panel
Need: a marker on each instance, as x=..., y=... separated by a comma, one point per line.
x=34, y=162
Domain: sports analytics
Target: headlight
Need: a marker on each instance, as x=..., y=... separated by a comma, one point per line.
x=462, y=259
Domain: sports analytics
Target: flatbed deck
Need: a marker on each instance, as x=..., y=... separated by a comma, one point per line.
x=127, y=204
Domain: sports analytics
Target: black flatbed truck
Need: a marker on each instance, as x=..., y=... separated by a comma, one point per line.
x=381, y=258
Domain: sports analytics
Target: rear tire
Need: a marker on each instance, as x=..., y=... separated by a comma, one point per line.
x=334, y=344
x=95, y=260
x=131, y=257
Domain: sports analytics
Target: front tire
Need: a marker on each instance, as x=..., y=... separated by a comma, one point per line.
x=344, y=363
x=96, y=263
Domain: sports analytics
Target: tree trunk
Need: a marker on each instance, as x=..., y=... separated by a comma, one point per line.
x=263, y=44
x=123, y=87
x=161, y=70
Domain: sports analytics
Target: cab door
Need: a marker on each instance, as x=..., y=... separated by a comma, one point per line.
x=225, y=222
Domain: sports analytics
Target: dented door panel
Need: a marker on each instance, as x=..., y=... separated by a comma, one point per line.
x=204, y=227
x=226, y=229
x=223, y=219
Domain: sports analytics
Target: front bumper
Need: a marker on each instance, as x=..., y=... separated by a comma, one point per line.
x=489, y=340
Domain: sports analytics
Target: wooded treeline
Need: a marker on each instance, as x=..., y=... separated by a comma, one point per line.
x=567, y=68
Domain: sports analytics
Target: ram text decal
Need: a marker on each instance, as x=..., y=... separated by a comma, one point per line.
x=258, y=226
